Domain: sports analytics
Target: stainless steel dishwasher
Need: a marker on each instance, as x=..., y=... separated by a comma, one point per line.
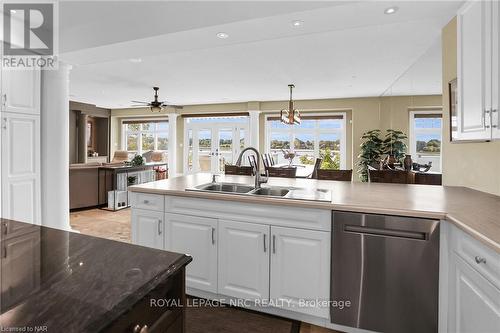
x=388, y=268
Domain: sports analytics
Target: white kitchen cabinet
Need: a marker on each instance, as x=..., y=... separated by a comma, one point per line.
x=495, y=97
x=243, y=260
x=196, y=236
x=148, y=228
x=475, y=302
x=21, y=91
x=474, y=71
x=20, y=151
x=473, y=287
x=300, y=268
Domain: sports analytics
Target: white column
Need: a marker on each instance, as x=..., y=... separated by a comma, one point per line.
x=54, y=119
x=254, y=128
x=172, y=144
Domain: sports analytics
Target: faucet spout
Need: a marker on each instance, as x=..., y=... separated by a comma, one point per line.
x=258, y=178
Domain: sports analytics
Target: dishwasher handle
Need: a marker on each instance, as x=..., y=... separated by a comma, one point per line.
x=415, y=235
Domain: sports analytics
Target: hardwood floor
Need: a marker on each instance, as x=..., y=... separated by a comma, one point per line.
x=116, y=226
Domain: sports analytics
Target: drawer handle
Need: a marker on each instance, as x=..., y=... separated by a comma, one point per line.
x=265, y=248
x=274, y=243
x=213, y=235
x=159, y=227
x=146, y=202
x=480, y=260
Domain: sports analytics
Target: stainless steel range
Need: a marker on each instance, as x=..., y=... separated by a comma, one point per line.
x=388, y=268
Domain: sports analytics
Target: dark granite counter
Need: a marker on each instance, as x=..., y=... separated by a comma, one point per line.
x=60, y=281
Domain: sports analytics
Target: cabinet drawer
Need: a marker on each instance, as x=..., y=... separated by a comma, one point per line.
x=148, y=201
x=483, y=259
x=157, y=318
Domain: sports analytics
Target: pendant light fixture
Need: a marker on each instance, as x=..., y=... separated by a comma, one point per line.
x=290, y=116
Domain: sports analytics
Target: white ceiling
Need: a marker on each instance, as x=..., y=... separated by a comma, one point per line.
x=343, y=49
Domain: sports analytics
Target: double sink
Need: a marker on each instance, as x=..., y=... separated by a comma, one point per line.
x=269, y=191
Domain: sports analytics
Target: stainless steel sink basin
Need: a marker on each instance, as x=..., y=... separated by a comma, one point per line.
x=271, y=191
x=225, y=187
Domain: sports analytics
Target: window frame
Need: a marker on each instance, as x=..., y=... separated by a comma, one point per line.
x=316, y=131
x=155, y=132
x=413, y=132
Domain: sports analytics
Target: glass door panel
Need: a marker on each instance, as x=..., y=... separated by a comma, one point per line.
x=224, y=151
x=205, y=152
x=210, y=145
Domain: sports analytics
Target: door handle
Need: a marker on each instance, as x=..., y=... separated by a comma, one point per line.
x=480, y=260
x=265, y=247
x=274, y=243
x=159, y=227
x=213, y=236
x=494, y=111
x=486, y=112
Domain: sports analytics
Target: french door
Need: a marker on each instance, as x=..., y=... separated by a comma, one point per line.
x=210, y=145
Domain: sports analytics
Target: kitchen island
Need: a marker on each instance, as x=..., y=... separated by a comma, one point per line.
x=279, y=249
x=58, y=281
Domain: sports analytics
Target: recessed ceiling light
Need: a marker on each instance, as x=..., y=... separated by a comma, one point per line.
x=391, y=10
x=135, y=60
x=297, y=23
x=222, y=35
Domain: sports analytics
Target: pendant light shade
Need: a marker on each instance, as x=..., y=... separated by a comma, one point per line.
x=290, y=116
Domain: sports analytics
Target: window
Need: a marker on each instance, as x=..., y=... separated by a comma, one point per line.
x=315, y=136
x=140, y=136
x=426, y=137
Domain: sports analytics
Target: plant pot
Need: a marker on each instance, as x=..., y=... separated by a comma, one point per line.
x=390, y=160
x=407, y=162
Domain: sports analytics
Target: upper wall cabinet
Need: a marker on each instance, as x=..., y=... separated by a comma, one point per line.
x=21, y=91
x=477, y=63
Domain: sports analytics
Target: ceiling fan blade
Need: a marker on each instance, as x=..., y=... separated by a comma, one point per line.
x=140, y=102
x=140, y=105
x=173, y=106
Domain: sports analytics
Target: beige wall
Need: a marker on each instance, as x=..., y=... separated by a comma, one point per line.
x=473, y=165
x=363, y=114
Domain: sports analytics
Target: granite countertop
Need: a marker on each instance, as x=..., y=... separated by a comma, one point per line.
x=475, y=212
x=70, y=282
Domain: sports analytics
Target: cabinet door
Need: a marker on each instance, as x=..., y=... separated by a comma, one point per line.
x=148, y=228
x=495, y=94
x=21, y=167
x=21, y=91
x=300, y=269
x=474, y=71
x=20, y=268
x=243, y=260
x=196, y=236
x=475, y=302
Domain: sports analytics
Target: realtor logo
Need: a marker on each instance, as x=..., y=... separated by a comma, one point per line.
x=28, y=29
x=30, y=35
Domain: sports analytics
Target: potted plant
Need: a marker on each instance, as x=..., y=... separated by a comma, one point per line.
x=329, y=162
x=394, y=146
x=372, y=148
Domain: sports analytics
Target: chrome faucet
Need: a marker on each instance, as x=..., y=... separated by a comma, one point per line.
x=258, y=178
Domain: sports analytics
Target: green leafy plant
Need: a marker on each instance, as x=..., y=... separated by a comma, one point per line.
x=394, y=144
x=306, y=159
x=138, y=160
x=330, y=161
x=372, y=148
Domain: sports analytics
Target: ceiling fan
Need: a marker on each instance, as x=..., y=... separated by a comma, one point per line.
x=156, y=106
